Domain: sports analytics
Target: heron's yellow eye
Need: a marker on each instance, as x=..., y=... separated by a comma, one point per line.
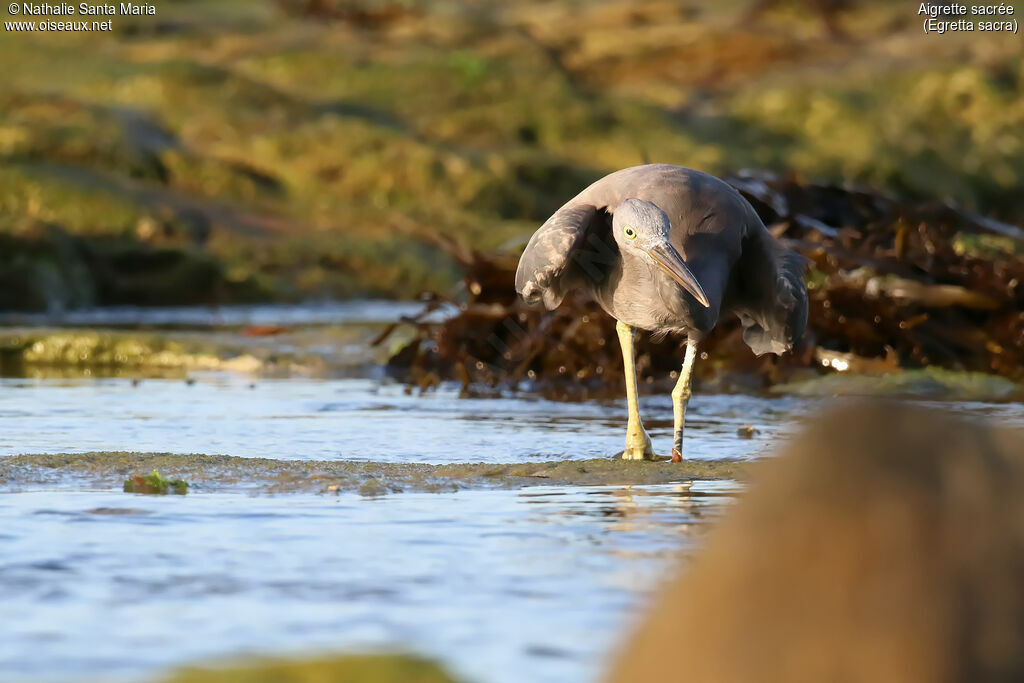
x=630, y=232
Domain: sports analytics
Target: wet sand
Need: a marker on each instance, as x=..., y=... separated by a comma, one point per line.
x=223, y=473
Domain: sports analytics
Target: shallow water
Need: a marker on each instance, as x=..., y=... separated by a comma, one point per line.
x=202, y=317
x=533, y=584
x=357, y=419
x=499, y=585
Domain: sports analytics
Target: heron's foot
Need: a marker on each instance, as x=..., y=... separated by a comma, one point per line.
x=638, y=446
x=677, y=455
x=639, y=454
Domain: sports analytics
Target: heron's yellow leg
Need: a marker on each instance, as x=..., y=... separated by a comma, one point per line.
x=638, y=444
x=680, y=397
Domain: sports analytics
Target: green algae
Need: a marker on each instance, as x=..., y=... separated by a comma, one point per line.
x=156, y=484
x=42, y=352
x=368, y=478
x=368, y=668
x=80, y=347
x=931, y=383
x=20, y=349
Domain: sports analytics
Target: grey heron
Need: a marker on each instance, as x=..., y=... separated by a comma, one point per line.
x=668, y=250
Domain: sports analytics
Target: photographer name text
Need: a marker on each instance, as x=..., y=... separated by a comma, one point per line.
x=64, y=9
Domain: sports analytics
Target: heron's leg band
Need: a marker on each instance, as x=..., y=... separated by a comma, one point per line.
x=638, y=444
x=681, y=396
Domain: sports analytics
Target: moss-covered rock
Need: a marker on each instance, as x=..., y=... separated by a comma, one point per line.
x=111, y=349
x=376, y=668
x=261, y=156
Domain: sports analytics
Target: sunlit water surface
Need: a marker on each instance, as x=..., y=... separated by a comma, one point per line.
x=203, y=317
x=357, y=419
x=531, y=585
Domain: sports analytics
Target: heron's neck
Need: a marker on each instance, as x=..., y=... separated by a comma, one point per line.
x=638, y=267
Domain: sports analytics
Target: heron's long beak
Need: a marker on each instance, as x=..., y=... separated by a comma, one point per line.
x=668, y=259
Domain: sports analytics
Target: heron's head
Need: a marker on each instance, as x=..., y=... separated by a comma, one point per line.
x=640, y=227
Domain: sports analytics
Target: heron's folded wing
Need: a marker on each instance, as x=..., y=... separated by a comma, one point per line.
x=550, y=252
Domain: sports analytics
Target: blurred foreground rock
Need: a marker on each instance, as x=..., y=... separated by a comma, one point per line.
x=885, y=544
x=893, y=285
x=383, y=668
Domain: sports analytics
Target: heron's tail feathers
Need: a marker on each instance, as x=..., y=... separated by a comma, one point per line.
x=791, y=291
x=779, y=319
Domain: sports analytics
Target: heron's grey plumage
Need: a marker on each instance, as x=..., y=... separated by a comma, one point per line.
x=549, y=253
x=741, y=268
